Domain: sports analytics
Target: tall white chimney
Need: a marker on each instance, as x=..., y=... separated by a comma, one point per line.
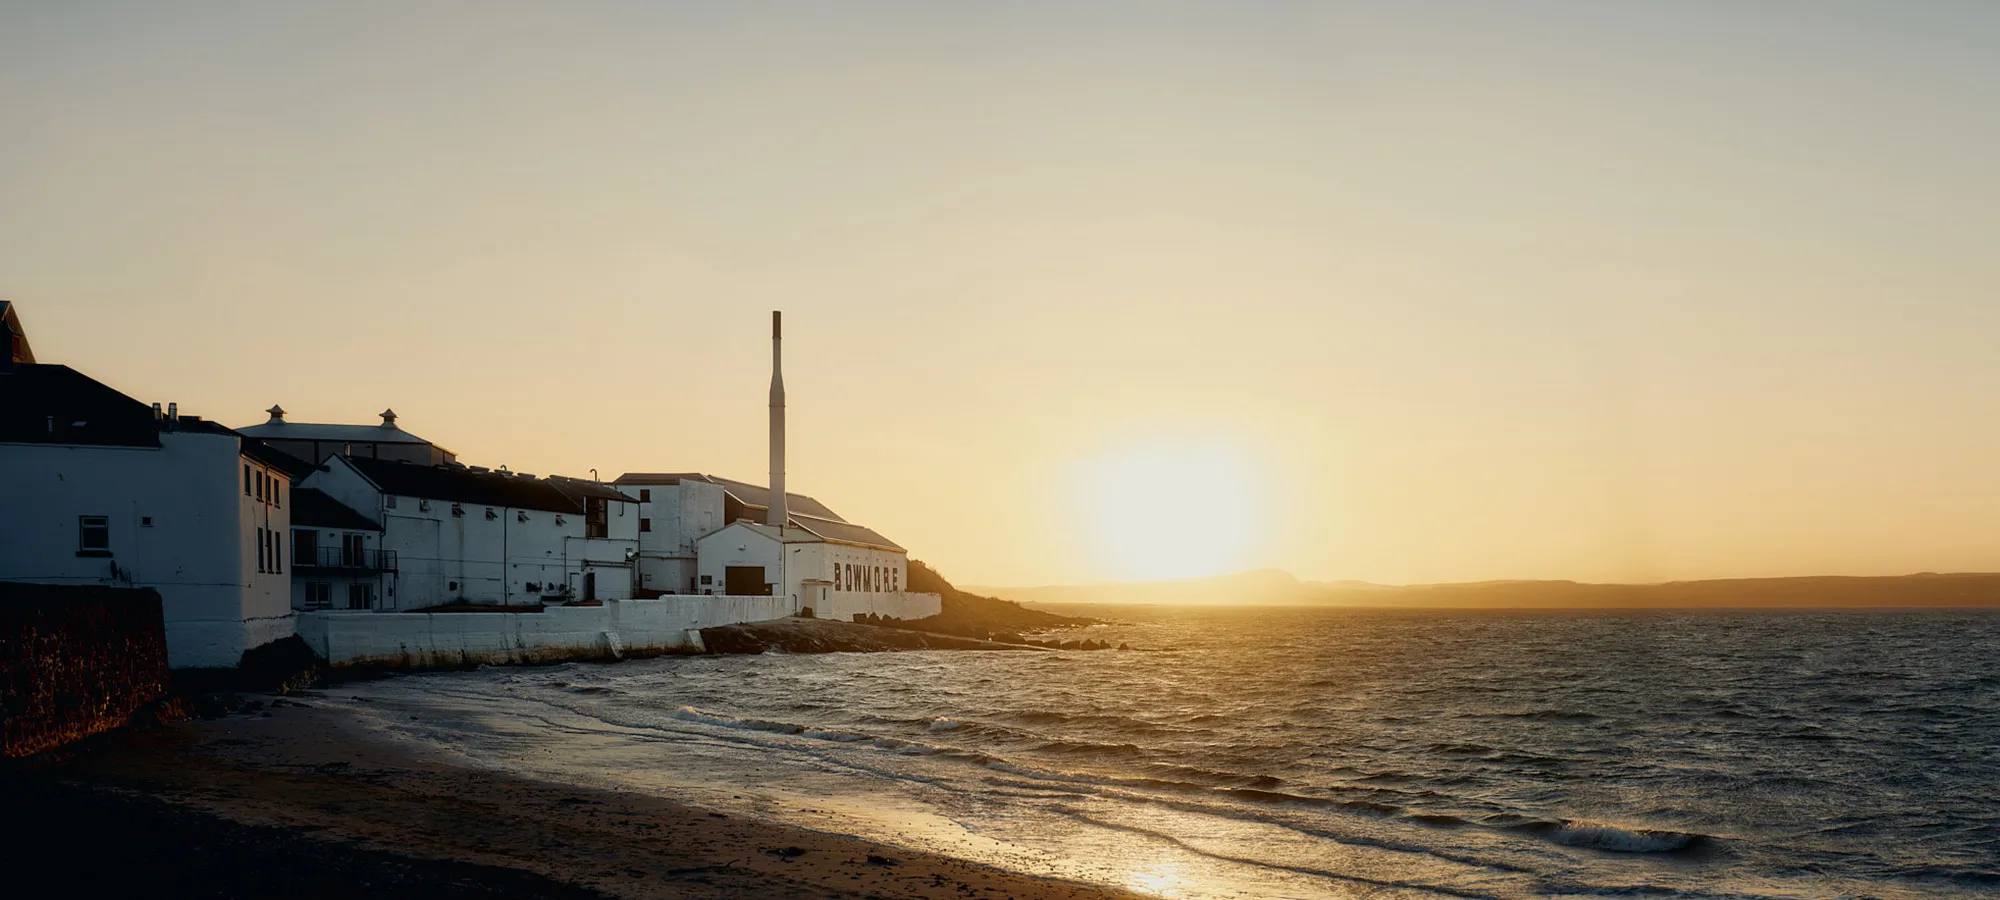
x=780, y=516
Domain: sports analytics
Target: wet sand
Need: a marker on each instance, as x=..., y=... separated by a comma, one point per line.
x=297, y=800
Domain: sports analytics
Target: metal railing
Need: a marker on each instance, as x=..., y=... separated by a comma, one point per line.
x=358, y=560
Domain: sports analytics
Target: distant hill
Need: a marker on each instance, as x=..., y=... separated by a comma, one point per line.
x=969, y=614
x=1272, y=587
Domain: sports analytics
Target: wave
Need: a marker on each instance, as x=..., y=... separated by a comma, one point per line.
x=1611, y=838
x=1349, y=877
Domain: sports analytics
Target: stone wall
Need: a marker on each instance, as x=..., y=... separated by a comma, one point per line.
x=76, y=660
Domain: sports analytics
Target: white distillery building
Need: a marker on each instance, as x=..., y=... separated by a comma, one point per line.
x=677, y=509
x=100, y=488
x=453, y=534
x=314, y=443
x=337, y=556
x=699, y=534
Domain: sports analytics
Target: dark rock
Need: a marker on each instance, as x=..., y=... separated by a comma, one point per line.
x=1124, y=646
x=875, y=860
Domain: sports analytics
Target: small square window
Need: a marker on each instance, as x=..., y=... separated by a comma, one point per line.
x=388, y=501
x=645, y=524
x=93, y=534
x=145, y=521
x=645, y=495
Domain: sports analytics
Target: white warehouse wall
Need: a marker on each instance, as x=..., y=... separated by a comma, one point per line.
x=199, y=552
x=471, y=558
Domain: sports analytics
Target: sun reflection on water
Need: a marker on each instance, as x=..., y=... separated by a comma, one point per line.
x=1158, y=879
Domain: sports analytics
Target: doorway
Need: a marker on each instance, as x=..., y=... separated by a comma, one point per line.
x=745, y=581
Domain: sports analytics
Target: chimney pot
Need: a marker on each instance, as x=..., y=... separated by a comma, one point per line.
x=277, y=415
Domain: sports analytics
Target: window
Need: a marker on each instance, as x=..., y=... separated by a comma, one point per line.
x=645, y=524
x=596, y=518
x=260, y=549
x=305, y=545
x=319, y=595
x=277, y=553
x=388, y=501
x=145, y=521
x=277, y=492
x=260, y=485
x=246, y=479
x=93, y=536
x=645, y=495
x=360, y=596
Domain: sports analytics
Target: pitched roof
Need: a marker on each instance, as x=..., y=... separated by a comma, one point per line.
x=745, y=493
x=578, y=488
x=312, y=507
x=459, y=484
x=331, y=434
x=51, y=404
x=815, y=531
x=845, y=533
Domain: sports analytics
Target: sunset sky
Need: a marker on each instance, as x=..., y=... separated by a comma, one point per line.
x=1406, y=292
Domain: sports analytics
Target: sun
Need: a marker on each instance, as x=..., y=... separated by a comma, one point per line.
x=1160, y=511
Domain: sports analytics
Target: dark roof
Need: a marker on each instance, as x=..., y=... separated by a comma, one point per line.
x=813, y=531
x=745, y=493
x=54, y=404
x=332, y=434
x=657, y=478
x=311, y=507
x=578, y=488
x=293, y=467
x=845, y=532
x=459, y=484
x=255, y=450
x=50, y=404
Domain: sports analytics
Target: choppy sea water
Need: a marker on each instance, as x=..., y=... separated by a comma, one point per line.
x=1326, y=753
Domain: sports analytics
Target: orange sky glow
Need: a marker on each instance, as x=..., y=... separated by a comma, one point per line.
x=1411, y=292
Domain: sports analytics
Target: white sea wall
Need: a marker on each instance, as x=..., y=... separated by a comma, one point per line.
x=618, y=628
x=845, y=605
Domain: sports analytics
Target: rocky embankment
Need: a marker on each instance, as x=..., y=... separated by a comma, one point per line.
x=966, y=622
x=826, y=636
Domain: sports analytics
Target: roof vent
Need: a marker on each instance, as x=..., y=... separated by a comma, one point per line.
x=388, y=418
x=277, y=415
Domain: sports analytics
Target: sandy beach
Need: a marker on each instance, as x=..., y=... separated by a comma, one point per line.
x=295, y=799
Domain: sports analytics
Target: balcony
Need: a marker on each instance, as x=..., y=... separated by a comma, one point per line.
x=344, y=559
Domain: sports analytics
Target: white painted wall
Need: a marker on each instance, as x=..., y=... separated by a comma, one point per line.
x=426, y=640
x=680, y=514
x=200, y=552
x=513, y=556
x=432, y=640
x=837, y=581
x=328, y=541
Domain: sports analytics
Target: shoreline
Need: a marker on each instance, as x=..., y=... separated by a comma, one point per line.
x=306, y=790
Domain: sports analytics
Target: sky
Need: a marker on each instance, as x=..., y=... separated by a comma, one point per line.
x=1412, y=292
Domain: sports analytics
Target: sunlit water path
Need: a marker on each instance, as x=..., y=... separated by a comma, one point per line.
x=1326, y=753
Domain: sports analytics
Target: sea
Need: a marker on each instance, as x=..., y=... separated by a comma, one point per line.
x=1322, y=753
